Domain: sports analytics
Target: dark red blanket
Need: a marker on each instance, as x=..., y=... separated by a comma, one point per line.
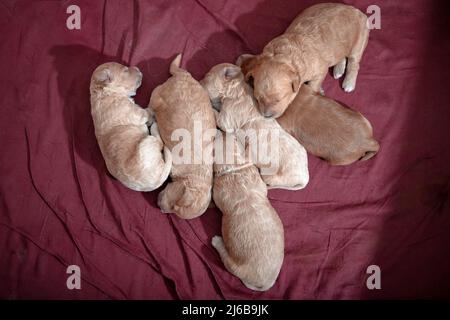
x=60, y=207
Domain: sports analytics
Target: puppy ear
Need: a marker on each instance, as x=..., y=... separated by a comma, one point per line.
x=244, y=59
x=104, y=76
x=232, y=72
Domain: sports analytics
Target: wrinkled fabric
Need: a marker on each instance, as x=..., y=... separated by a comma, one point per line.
x=60, y=207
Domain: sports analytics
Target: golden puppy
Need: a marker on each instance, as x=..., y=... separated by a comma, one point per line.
x=132, y=155
x=322, y=36
x=282, y=161
x=328, y=130
x=181, y=106
x=252, y=242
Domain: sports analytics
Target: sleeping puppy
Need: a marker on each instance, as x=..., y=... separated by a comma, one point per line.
x=252, y=242
x=132, y=155
x=328, y=130
x=322, y=36
x=181, y=105
x=282, y=161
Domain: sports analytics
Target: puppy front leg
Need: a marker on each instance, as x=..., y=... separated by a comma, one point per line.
x=223, y=123
x=316, y=82
x=226, y=120
x=339, y=69
x=349, y=83
x=354, y=58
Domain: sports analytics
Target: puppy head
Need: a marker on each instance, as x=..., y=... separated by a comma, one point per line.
x=117, y=77
x=220, y=80
x=275, y=85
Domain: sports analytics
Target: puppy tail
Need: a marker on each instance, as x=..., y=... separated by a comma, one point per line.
x=175, y=65
x=372, y=149
x=157, y=160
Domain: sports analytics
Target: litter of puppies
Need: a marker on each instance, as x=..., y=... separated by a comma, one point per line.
x=245, y=128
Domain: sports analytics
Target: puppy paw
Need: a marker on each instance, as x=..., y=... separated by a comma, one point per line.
x=217, y=241
x=339, y=69
x=348, y=86
x=337, y=74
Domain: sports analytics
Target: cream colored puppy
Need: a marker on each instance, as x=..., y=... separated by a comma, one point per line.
x=181, y=106
x=322, y=36
x=282, y=161
x=252, y=242
x=132, y=156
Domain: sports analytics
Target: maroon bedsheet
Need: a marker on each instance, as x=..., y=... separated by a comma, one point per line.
x=60, y=207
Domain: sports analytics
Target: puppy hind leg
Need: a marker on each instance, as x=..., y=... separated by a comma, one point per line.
x=354, y=58
x=230, y=265
x=154, y=132
x=339, y=69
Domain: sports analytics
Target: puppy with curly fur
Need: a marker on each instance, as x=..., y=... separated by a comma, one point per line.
x=322, y=36
x=252, y=242
x=282, y=161
x=182, y=105
x=133, y=156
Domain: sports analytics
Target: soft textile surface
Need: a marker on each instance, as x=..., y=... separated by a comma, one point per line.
x=60, y=207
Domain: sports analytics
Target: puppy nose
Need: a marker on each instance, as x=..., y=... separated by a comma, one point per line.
x=136, y=69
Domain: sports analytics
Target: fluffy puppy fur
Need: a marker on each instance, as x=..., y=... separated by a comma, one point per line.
x=329, y=130
x=233, y=98
x=177, y=104
x=322, y=36
x=132, y=155
x=252, y=242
